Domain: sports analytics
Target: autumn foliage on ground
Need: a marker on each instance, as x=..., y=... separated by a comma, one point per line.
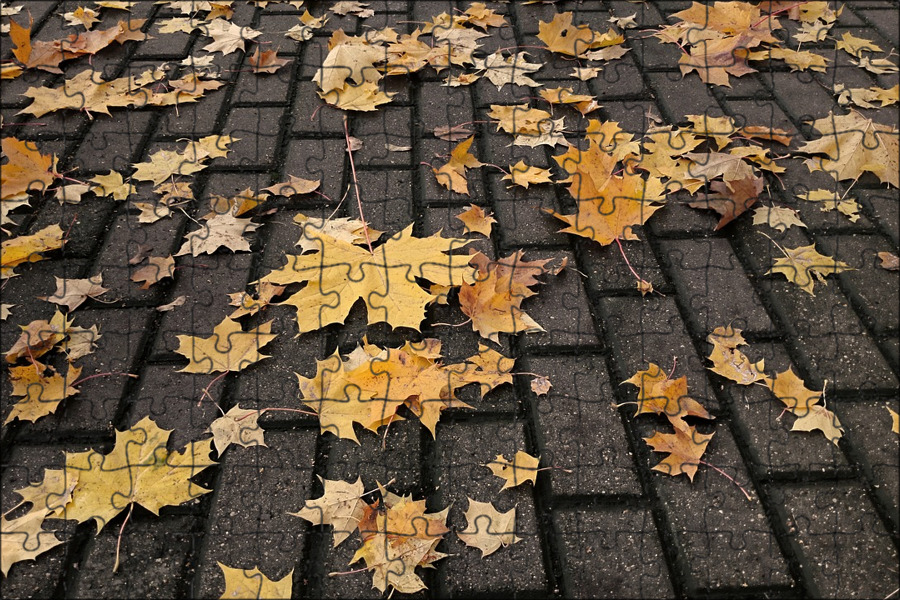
x=617, y=180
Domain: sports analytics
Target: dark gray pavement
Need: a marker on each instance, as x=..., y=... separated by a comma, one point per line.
x=823, y=520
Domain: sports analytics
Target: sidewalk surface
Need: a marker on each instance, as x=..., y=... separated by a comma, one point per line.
x=822, y=519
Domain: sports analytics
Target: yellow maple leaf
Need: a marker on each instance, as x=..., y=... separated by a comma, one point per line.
x=28, y=248
x=26, y=169
x=804, y=404
x=229, y=348
x=524, y=175
x=476, y=220
x=252, y=584
x=41, y=393
x=685, y=448
x=340, y=274
x=574, y=40
x=523, y=467
x=139, y=470
x=801, y=264
x=731, y=363
x=453, y=174
x=658, y=394
x=487, y=528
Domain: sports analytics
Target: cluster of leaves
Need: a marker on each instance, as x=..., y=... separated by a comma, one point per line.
x=731, y=363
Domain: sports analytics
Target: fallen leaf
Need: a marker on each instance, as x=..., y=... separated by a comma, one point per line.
x=220, y=231
x=252, y=584
x=341, y=506
x=41, y=389
x=72, y=193
x=73, y=292
x=39, y=337
x=248, y=305
x=352, y=7
x=112, y=184
x=266, y=61
x=864, y=97
x=28, y=248
x=832, y=200
x=229, y=348
x=800, y=264
x=889, y=261
x=855, y=145
x=452, y=133
x=476, y=220
x=179, y=301
x=26, y=169
x=804, y=404
x=731, y=363
x=541, y=386
x=308, y=24
x=685, y=448
x=855, y=46
x=345, y=229
x=573, y=40
x=658, y=394
x=522, y=468
x=781, y=218
x=85, y=17
x=453, y=174
x=487, y=528
x=159, y=268
x=237, y=426
x=895, y=420
x=584, y=103
x=732, y=199
x=502, y=70
x=228, y=37
x=530, y=127
x=524, y=175
x=6, y=310
x=879, y=66
x=138, y=470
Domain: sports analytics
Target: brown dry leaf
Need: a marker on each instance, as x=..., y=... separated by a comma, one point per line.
x=716, y=59
x=889, y=261
x=685, y=447
x=502, y=70
x=179, y=301
x=453, y=174
x=479, y=15
x=237, y=205
x=585, y=73
x=28, y=248
x=574, y=40
x=306, y=29
x=879, y=66
x=476, y=220
x=228, y=37
x=266, y=61
x=487, y=528
x=895, y=420
x=252, y=584
x=800, y=264
x=609, y=206
x=72, y=193
x=341, y=506
x=452, y=133
x=345, y=229
x=24, y=537
x=612, y=140
x=524, y=175
x=350, y=58
x=159, y=268
x=139, y=470
x=832, y=200
x=397, y=537
x=294, y=186
x=732, y=199
x=248, y=305
x=804, y=404
x=26, y=169
x=237, y=426
x=529, y=126
x=541, y=386
x=364, y=97
x=373, y=383
x=6, y=311
x=73, y=292
x=583, y=103
x=493, y=301
x=781, y=218
x=658, y=394
x=854, y=145
x=731, y=363
x=41, y=389
x=39, y=337
x=523, y=467
x=766, y=133
x=220, y=231
x=707, y=166
x=352, y=7
x=229, y=348
x=796, y=60
x=340, y=274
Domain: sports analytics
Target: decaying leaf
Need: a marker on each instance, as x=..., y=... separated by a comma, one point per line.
x=777, y=217
x=340, y=274
x=237, y=426
x=252, y=584
x=530, y=127
x=294, y=186
x=25, y=169
x=731, y=363
x=658, y=394
x=266, y=61
x=574, y=40
x=523, y=467
x=453, y=174
x=832, y=200
x=452, y=133
x=487, y=528
x=804, y=404
x=732, y=198
x=476, y=220
x=889, y=261
x=541, y=386
x=224, y=230
x=159, y=267
x=41, y=389
x=502, y=70
x=139, y=470
x=524, y=175
x=73, y=292
x=39, y=337
x=341, y=506
x=685, y=448
x=229, y=348
x=801, y=264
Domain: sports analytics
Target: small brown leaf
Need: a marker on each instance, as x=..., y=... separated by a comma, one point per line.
x=159, y=268
x=73, y=292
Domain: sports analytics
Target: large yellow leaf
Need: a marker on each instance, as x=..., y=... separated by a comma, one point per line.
x=229, y=348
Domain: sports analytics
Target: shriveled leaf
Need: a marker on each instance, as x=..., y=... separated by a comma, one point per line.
x=237, y=426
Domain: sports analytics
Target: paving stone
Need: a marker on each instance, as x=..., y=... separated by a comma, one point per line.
x=248, y=523
x=580, y=428
x=257, y=130
x=613, y=553
x=379, y=130
x=607, y=271
x=321, y=160
x=831, y=527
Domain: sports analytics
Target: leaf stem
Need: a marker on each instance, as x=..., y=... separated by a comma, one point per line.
x=121, y=531
x=362, y=217
x=80, y=381
x=728, y=477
